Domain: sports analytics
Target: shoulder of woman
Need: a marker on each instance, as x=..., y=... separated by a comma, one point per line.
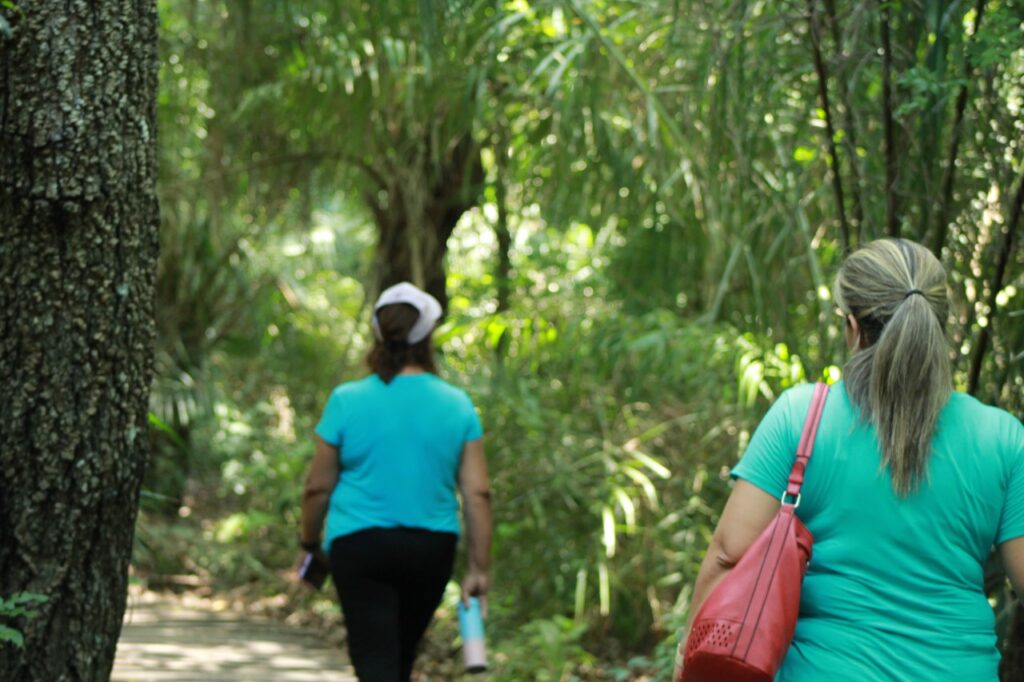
x=354, y=386
x=964, y=403
x=465, y=399
x=450, y=388
x=791, y=406
x=794, y=398
x=798, y=393
x=798, y=398
x=967, y=412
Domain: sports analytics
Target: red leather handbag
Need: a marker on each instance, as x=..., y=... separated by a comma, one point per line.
x=744, y=628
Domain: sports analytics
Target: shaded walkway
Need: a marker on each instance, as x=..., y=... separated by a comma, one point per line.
x=164, y=641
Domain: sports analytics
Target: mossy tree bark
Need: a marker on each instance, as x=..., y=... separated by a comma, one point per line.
x=78, y=247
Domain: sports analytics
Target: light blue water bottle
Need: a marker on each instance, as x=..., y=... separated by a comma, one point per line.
x=471, y=626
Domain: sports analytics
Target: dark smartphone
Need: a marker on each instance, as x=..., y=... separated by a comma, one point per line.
x=314, y=571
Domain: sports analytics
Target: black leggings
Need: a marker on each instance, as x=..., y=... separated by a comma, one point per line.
x=389, y=582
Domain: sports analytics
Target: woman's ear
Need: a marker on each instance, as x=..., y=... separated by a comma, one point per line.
x=854, y=339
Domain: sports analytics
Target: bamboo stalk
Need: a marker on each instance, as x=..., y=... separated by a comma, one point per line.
x=501, y=229
x=850, y=136
x=942, y=220
x=981, y=348
x=891, y=221
x=837, y=180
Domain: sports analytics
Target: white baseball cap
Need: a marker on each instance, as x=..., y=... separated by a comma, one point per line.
x=427, y=305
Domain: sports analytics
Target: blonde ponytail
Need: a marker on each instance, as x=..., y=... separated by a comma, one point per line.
x=901, y=379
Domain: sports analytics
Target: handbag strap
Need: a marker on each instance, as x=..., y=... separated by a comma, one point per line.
x=806, y=446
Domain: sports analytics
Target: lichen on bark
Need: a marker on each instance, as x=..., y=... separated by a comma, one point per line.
x=78, y=248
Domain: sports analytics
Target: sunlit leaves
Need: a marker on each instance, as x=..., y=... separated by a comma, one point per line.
x=804, y=154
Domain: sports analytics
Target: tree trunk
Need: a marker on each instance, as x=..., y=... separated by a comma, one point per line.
x=78, y=247
x=412, y=249
x=418, y=212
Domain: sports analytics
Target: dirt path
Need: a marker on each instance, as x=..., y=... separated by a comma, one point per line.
x=165, y=641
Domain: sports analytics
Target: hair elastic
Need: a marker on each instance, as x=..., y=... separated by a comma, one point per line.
x=914, y=291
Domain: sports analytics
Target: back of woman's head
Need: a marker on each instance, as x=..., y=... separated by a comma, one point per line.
x=901, y=378
x=391, y=351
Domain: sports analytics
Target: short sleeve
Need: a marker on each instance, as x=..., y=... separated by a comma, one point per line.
x=769, y=457
x=1011, y=524
x=474, y=429
x=330, y=426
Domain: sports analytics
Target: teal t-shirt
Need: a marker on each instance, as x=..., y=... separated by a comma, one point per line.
x=400, y=445
x=894, y=589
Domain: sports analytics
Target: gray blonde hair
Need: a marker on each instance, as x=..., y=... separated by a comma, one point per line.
x=901, y=379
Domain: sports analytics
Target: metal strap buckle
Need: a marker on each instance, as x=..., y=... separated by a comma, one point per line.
x=796, y=503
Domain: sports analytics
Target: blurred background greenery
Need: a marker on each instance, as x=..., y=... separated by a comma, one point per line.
x=633, y=211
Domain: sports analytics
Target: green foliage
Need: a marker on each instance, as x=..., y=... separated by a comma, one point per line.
x=546, y=650
x=926, y=89
x=761, y=369
x=18, y=605
x=998, y=42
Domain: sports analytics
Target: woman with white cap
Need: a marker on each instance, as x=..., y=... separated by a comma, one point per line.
x=391, y=449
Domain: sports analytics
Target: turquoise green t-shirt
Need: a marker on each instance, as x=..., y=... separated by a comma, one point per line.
x=400, y=445
x=894, y=587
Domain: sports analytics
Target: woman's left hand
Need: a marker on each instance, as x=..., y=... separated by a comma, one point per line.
x=318, y=570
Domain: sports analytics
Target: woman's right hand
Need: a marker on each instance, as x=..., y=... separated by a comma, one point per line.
x=476, y=497
x=475, y=584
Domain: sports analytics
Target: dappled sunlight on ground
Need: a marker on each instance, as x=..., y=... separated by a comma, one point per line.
x=164, y=640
